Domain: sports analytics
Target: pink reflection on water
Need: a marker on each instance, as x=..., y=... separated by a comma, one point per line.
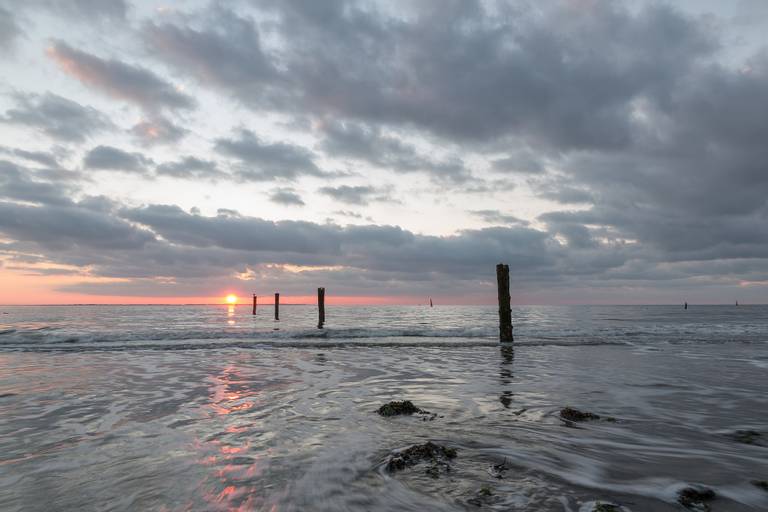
x=232, y=463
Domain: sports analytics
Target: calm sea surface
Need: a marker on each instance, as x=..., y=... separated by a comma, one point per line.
x=210, y=408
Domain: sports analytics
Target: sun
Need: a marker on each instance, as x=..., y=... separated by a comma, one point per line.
x=231, y=299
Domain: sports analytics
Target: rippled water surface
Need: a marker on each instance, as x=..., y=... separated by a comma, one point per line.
x=209, y=408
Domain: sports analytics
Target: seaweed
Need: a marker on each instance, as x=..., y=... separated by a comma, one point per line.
x=404, y=408
x=762, y=484
x=696, y=498
x=437, y=455
x=606, y=507
x=497, y=470
x=484, y=495
x=575, y=415
x=748, y=437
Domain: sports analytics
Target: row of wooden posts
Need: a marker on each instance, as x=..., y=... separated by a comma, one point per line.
x=505, y=309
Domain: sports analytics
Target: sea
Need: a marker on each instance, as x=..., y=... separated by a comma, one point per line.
x=212, y=408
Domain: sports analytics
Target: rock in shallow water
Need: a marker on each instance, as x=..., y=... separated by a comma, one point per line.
x=575, y=415
x=397, y=408
x=696, y=498
x=436, y=455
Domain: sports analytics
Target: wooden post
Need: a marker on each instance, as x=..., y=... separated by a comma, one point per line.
x=254, y=304
x=277, y=306
x=505, y=311
x=320, y=307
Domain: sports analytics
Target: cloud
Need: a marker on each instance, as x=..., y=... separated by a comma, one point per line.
x=267, y=161
x=286, y=196
x=354, y=140
x=119, y=80
x=85, y=10
x=226, y=54
x=39, y=157
x=19, y=183
x=157, y=130
x=359, y=195
x=110, y=158
x=57, y=117
x=190, y=167
x=9, y=30
x=497, y=217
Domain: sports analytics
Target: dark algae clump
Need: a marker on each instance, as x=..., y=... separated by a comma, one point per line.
x=696, y=498
x=404, y=408
x=748, y=437
x=571, y=414
x=606, y=507
x=438, y=457
x=763, y=484
x=398, y=408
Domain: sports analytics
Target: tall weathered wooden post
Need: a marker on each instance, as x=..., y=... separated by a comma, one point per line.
x=277, y=306
x=320, y=307
x=505, y=310
x=254, y=304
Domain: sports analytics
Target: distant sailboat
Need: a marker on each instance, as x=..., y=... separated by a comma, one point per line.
x=430, y=302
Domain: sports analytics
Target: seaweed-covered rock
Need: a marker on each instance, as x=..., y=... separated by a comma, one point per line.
x=763, y=484
x=397, y=408
x=696, y=498
x=497, y=470
x=748, y=437
x=571, y=414
x=484, y=496
x=605, y=507
x=438, y=456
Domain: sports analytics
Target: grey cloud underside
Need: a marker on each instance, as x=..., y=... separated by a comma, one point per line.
x=82, y=10
x=114, y=159
x=191, y=251
x=9, y=30
x=57, y=117
x=266, y=161
x=358, y=195
x=286, y=196
x=190, y=168
x=158, y=130
x=117, y=79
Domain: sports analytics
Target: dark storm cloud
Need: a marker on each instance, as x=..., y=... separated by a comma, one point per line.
x=266, y=161
x=110, y=158
x=190, y=167
x=57, y=117
x=454, y=69
x=119, y=80
x=286, y=196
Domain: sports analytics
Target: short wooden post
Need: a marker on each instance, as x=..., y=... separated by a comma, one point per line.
x=505, y=310
x=277, y=306
x=320, y=307
x=254, y=304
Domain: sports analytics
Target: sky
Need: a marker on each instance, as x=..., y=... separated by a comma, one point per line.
x=611, y=152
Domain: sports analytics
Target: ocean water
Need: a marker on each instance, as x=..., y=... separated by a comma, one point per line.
x=210, y=408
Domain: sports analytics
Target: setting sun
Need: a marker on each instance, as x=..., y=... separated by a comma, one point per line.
x=231, y=299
